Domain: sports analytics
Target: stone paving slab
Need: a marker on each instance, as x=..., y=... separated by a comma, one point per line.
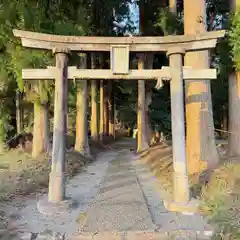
x=142, y=235
x=120, y=205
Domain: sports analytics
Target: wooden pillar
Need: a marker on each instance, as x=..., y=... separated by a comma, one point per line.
x=142, y=143
x=181, y=197
x=57, y=176
x=111, y=109
x=81, y=143
x=181, y=187
x=101, y=132
x=94, y=104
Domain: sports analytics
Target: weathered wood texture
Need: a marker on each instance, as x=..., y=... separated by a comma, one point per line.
x=19, y=112
x=38, y=133
x=46, y=128
x=181, y=187
x=234, y=104
x=111, y=109
x=144, y=74
x=148, y=64
x=41, y=129
x=101, y=130
x=106, y=109
x=234, y=115
x=81, y=142
x=200, y=141
x=94, y=103
x=142, y=143
x=57, y=179
x=94, y=111
x=120, y=59
x=152, y=44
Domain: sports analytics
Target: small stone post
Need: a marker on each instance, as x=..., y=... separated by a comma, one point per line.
x=81, y=143
x=57, y=179
x=142, y=143
x=180, y=175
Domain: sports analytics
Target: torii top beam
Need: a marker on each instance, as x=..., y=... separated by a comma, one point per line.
x=204, y=41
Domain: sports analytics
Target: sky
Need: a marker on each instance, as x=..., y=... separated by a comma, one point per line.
x=134, y=14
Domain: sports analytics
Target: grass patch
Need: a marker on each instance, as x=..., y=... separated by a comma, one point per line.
x=221, y=201
x=20, y=174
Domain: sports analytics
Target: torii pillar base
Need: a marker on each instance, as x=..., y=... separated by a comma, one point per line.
x=186, y=208
x=46, y=207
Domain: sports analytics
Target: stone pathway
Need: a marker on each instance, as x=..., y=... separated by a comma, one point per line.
x=120, y=204
x=116, y=200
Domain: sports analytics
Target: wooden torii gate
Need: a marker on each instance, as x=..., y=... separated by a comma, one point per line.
x=119, y=47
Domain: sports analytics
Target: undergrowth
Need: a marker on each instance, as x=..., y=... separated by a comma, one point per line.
x=20, y=174
x=221, y=201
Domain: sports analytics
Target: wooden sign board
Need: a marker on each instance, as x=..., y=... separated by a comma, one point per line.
x=119, y=56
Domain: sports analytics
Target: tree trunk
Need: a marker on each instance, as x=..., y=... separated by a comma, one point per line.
x=111, y=109
x=101, y=132
x=234, y=115
x=38, y=130
x=41, y=130
x=200, y=143
x=148, y=127
x=94, y=104
x=81, y=143
x=2, y=136
x=19, y=112
x=46, y=128
x=224, y=123
x=234, y=107
x=106, y=109
x=141, y=119
x=149, y=132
